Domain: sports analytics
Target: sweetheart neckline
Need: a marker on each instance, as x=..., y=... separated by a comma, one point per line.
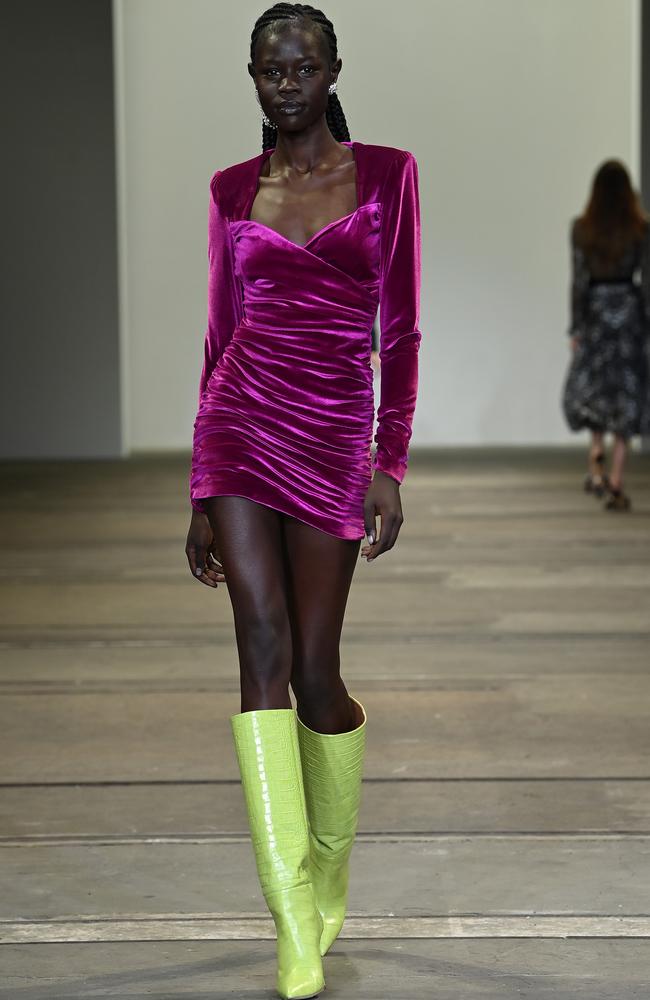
x=303, y=246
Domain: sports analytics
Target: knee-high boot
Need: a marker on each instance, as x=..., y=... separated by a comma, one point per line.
x=266, y=742
x=332, y=769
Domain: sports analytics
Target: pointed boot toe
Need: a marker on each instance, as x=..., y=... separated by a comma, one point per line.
x=299, y=928
x=300, y=984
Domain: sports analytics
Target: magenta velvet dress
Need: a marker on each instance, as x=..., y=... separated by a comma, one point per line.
x=286, y=403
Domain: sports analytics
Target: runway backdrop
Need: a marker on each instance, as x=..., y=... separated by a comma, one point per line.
x=508, y=105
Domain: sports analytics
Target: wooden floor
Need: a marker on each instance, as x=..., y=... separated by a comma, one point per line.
x=502, y=653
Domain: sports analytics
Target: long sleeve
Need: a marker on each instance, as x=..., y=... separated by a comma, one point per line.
x=399, y=309
x=579, y=285
x=224, y=311
x=224, y=293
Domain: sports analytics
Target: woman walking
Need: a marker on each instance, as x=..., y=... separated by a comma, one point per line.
x=306, y=240
x=606, y=390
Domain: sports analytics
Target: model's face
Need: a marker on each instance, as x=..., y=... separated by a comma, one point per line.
x=292, y=74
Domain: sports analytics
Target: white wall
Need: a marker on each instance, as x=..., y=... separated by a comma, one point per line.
x=509, y=105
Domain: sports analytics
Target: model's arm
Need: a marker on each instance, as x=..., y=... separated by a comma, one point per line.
x=224, y=313
x=399, y=309
x=399, y=342
x=579, y=287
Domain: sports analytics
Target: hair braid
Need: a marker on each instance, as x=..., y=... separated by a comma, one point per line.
x=334, y=115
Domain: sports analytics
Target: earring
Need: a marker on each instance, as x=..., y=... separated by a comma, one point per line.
x=332, y=88
x=267, y=121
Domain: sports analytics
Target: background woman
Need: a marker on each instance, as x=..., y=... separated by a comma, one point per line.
x=306, y=241
x=607, y=385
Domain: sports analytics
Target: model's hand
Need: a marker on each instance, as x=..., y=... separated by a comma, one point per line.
x=382, y=498
x=201, y=551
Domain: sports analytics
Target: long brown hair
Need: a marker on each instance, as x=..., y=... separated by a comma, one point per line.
x=614, y=217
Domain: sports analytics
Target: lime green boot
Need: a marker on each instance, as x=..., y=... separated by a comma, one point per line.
x=269, y=761
x=331, y=768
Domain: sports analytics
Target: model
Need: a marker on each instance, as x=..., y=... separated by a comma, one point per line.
x=607, y=386
x=306, y=241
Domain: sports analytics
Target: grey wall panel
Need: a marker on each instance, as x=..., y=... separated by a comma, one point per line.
x=59, y=375
x=645, y=123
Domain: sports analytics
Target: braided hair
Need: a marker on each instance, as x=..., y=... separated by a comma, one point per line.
x=294, y=12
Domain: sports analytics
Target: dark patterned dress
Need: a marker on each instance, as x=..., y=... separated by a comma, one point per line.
x=608, y=385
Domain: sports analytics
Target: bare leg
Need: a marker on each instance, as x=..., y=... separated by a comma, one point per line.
x=619, y=454
x=597, y=449
x=250, y=543
x=320, y=569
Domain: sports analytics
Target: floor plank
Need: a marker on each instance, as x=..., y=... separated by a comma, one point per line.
x=537, y=727
x=429, y=806
x=437, y=875
x=401, y=970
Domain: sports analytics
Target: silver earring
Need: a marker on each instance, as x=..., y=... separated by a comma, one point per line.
x=267, y=121
x=332, y=88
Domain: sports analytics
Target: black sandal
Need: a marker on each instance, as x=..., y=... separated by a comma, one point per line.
x=617, y=500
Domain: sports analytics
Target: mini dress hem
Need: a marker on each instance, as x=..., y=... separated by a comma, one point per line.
x=318, y=522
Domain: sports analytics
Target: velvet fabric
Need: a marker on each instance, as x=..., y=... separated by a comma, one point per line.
x=286, y=401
